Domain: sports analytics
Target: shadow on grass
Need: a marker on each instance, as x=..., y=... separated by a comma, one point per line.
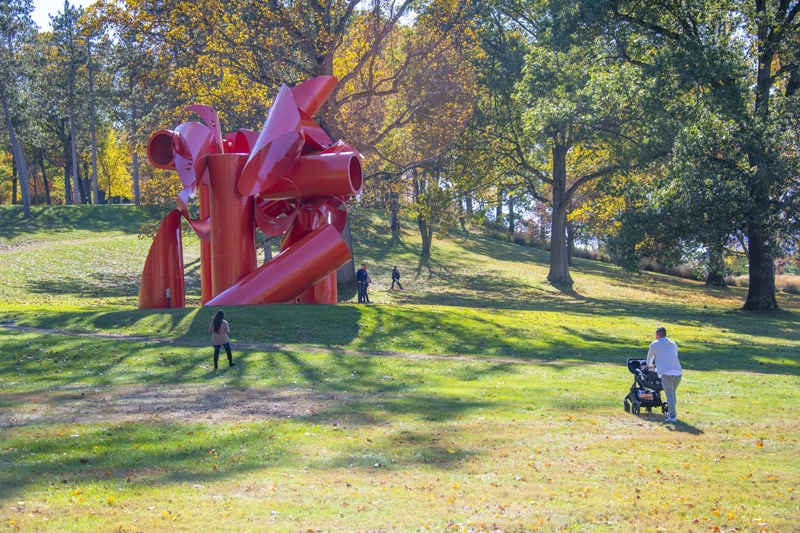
x=748, y=343
x=681, y=426
x=76, y=424
x=152, y=454
x=106, y=218
x=684, y=427
x=91, y=286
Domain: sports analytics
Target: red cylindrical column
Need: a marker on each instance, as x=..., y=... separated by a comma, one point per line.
x=233, y=239
x=205, y=249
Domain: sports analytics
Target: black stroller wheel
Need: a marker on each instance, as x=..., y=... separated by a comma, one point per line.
x=664, y=408
x=627, y=405
x=635, y=409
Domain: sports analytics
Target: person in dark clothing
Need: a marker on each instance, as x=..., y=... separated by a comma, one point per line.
x=396, y=278
x=362, y=278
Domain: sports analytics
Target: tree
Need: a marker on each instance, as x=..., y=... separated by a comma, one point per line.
x=440, y=91
x=97, y=46
x=738, y=58
x=114, y=176
x=141, y=84
x=71, y=58
x=574, y=116
x=17, y=31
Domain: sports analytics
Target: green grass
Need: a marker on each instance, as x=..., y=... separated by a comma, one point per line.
x=481, y=398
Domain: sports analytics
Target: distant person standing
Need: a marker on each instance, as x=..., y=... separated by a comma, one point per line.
x=220, y=329
x=362, y=279
x=663, y=356
x=396, y=278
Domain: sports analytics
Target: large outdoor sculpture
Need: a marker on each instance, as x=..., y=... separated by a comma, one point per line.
x=290, y=180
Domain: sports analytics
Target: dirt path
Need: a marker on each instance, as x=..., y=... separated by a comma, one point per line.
x=161, y=404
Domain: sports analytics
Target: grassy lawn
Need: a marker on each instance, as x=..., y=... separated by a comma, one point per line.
x=480, y=398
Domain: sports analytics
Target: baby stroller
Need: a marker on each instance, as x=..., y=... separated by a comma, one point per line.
x=646, y=389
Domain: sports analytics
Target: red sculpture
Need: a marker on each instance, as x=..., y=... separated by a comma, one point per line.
x=289, y=180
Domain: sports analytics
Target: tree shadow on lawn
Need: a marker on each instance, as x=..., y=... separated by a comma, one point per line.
x=100, y=219
x=96, y=285
x=746, y=341
x=113, y=427
x=150, y=453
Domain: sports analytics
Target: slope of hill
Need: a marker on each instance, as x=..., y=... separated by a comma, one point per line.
x=79, y=267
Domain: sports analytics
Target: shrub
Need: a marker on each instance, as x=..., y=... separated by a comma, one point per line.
x=788, y=283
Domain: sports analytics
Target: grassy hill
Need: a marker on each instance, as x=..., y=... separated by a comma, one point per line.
x=80, y=266
x=481, y=398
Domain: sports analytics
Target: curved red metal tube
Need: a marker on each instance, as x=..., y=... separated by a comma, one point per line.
x=291, y=272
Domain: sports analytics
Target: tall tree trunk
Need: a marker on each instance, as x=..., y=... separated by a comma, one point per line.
x=394, y=207
x=559, y=263
x=137, y=196
x=511, y=215
x=761, y=290
x=45, y=181
x=761, y=268
x=18, y=154
x=135, y=156
x=73, y=149
x=498, y=210
x=426, y=234
x=86, y=196
x=35, y=191
x=92, y=126
x=14, y=182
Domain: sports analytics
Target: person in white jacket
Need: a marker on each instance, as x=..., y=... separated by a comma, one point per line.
x=663, y=357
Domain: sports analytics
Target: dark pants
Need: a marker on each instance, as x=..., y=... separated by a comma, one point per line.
x=363, y=298
x=398, y=283
x=227, y=346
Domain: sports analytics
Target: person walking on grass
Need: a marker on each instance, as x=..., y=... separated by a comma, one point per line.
x=363, y=278
x=663, y=357
x=396, y=278
x=220, y=329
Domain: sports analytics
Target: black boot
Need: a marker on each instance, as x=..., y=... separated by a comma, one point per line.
x=216, y=360
x=230, y=360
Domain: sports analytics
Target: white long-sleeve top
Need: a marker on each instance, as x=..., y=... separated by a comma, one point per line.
x=663, y=354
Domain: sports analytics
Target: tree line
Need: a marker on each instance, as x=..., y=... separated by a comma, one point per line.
x=661, y=130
